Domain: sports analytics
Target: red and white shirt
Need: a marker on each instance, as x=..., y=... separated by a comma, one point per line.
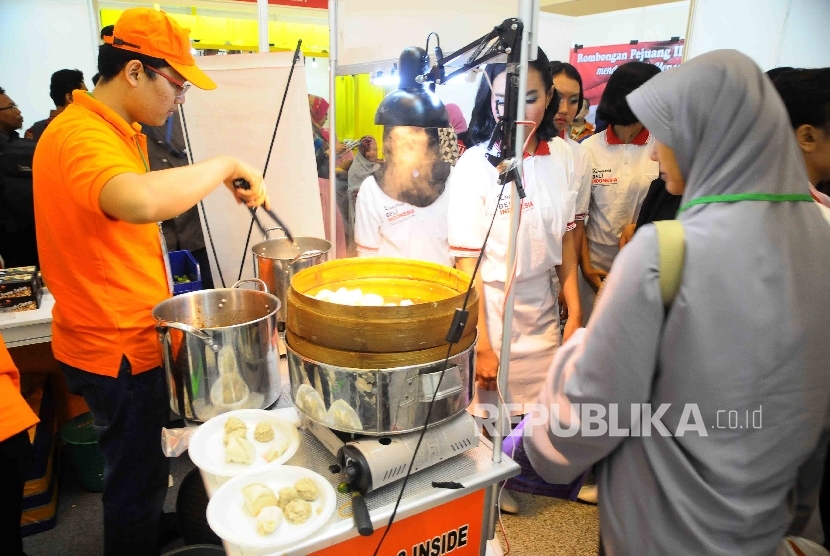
x=620, y=177
x=582, y=175
x=548, y=210
x=385, y=227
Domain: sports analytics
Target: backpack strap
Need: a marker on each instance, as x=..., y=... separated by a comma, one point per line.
x=672, y=251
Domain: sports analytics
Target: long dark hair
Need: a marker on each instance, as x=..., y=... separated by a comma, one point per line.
x=482, y=122
x=557, y=67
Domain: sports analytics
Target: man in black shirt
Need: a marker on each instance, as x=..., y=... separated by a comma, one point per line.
x=166, y=148
x=17, y=218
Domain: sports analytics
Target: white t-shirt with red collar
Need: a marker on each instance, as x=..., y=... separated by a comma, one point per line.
x=548, y=210
x=621, y=176
x=385, y=227
x=582, y=176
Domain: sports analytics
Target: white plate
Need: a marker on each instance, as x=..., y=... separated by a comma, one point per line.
x=208, y=452
x=227, y=517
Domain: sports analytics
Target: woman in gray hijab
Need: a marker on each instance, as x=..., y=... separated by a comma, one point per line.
x=740, y=355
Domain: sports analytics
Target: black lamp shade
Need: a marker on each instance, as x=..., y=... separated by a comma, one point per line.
x=412, y=104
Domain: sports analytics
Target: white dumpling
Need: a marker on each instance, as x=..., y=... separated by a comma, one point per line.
x=341, y=296
x=354, y=297
x=276, y=450
x=325, y=295
x=268, y=520
x=371, y=300
x=239, y=450
x=257, y=497
x=407, y=302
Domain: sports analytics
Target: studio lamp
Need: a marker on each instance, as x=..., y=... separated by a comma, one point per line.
x=413, y=104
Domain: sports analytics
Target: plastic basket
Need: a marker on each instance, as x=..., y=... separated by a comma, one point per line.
x=182, y=263
x=82, y=446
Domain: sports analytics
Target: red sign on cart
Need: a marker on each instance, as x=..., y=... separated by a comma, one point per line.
x=452, y=528
x=597, y=63
x=317, y=4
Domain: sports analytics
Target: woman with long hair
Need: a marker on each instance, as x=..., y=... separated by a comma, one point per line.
x=545, y=243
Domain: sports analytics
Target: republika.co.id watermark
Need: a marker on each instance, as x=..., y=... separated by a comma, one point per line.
x=640, y=420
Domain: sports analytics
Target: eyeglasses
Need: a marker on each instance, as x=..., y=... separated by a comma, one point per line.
x=181, y=86
x=11, y=106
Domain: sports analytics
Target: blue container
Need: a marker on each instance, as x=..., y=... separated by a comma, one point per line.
x=182, y=263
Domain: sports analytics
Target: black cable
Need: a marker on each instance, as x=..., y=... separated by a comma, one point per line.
x=271, y=147
x=441, y=378
x=202, y=203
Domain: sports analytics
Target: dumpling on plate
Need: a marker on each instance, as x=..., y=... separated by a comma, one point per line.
x=307, y=489
x=258, y=496
x=297, y=511
x=239, y=450
x=287, y=494
x=268, y=520
x=277, y=449
x=235, y=423
x=264, y=432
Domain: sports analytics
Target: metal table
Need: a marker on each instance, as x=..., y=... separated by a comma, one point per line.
x=474, y=470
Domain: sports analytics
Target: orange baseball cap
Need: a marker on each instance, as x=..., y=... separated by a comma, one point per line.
x=154, y=33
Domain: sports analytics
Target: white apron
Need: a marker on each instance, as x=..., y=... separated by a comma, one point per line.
x=534, y=339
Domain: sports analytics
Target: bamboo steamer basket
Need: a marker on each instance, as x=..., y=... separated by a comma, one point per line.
x=323, y=331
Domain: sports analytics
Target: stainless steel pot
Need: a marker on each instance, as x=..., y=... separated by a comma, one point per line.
x=220, y=350
x=380, y=402
x=277, y=260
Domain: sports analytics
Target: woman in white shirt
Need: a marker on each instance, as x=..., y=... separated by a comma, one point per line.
x=568, y=83
x=545, y=243
x=413, y=223
x=622, y=171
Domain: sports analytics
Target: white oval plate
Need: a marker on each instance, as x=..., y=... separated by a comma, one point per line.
x=208, y=452
x=227, y=517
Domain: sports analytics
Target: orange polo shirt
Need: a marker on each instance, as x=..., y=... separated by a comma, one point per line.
x=106, y=275
x=15, y=414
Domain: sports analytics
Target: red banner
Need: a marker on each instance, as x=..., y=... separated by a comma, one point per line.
x=597, y=63
x=317, y=4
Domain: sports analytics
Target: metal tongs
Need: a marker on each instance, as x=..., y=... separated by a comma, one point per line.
x=243, y=184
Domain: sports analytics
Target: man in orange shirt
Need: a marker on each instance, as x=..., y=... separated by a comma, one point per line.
x=97, y=209
x=15, y=452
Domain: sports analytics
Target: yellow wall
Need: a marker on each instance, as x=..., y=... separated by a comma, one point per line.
x=241, y=34
x=357, y=100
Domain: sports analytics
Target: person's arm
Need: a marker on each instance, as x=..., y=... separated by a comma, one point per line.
x=161, y=195
x=606, y=363
x=627, y=234
x=487, y=362
x=594, y=276
x=569, y=284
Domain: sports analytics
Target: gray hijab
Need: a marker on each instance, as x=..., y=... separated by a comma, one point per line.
x=726, y=124
x=747, y=330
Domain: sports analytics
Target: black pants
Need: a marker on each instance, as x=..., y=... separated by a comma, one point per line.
x=16, y=457
x=129, y=412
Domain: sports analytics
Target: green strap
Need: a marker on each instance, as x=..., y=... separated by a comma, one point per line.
x=671, y=247
x=768, y=197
